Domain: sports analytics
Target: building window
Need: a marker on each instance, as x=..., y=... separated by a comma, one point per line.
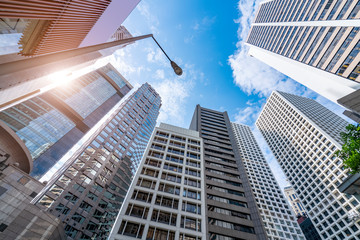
x=62, y=209
x=164, y=217
x=171, y=177
x=190, y=223
x=137, y=211
x=192, y=194
x=46, y=201
x=168, y=188
x=142, y=182
x=229, y=225
x=150, y=172
x=167, y=202
x=192, y=182
x=191, y=207
x=142, y=196
x=159, y=234
x=131, y=229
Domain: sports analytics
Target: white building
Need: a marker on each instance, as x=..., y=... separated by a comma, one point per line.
x=304, y=135
x=296, y=205
x=166, y=199
x=315, y=43
x=279, y=221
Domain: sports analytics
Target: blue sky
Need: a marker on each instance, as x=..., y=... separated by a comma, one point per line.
x=206, y=39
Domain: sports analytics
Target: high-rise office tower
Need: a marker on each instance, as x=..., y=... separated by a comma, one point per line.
x=52, y=122
x=304, y=136
x=314, y=42
x=296, y=205
x=279, y=221
x=166, y=198
x=88, y=191
x=231, y=208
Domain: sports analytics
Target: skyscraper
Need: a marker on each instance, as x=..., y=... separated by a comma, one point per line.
x=314, y=42
x=88, y=191
x=231, y=211
x=296, y=205
x=166, y=198
x=52, y=122
x=278, y=219
x=304, y=135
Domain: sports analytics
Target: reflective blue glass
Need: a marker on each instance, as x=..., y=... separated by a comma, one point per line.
x=37, y=123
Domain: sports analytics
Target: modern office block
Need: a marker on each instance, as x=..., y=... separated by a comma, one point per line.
x=166, y=199
x=304, y=136
x=19, y=219
x=88, y=191
x=231, y=208
x=313, y=42
x=279, y=221
x=295, y=202
x=52, y=122
x=308, y=228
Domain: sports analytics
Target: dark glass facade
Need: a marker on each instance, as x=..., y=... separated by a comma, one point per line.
x=308, y=228
x=51, y=123
x=87, y=193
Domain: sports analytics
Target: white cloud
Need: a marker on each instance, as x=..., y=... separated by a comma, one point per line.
x=196, y=26
x=247, y=115
x=155, y=55
x=250, y=74
x=173, y=94
x=160, y=74
x=144, y=8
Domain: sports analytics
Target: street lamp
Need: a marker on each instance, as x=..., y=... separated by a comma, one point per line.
x=178, y=71
x=13, y=72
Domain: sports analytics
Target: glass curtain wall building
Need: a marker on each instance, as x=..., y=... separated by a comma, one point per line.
x=231, y=208
x=166, y=198
x=87, y=193
x=320, y=39
x=279, y=221
x=52, y=122
x=304, y=136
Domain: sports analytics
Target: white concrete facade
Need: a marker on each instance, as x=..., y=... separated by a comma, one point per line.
x=316, y=43
x=304, y=136
x=279, y=221
x=166, y=199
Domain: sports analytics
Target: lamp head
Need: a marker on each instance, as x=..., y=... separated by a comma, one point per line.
x=178, y=71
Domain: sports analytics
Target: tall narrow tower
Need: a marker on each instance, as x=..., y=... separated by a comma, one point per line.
x=278, y=219
x=230, y=204
x=304, y=136
x=314, y=42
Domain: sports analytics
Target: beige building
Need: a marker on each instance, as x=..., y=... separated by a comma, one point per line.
x=296, y=205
